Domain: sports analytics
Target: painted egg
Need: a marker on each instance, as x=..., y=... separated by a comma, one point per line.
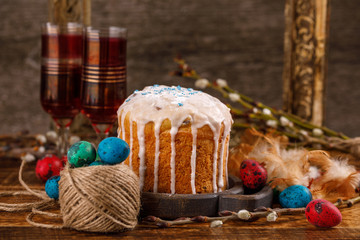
x=252, y=174
x=52, y=187
x=48, y=166
x=81, y=154
x=295, y=196
x=97, y=157
x=97, y=163
x=323, y=213
x=64, y=159
x=113, y=150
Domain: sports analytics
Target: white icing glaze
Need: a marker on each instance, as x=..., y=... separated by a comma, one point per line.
x=226, y=163
x=216, y=132
x=193, y=159
x=157, y=153
x=123, y=126
x=157, y=103
x=131, y=143
x=173, y=132
x=142, y=167
x=221, y=172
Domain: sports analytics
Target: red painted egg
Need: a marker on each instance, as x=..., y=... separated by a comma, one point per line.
x=64, y=160
x=48, y=166
x=322, y=213
x=252, y=174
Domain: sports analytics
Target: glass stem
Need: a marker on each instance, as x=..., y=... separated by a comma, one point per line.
x=63, y=143
x=63, y=126
x=101, y=136
x=102, y=131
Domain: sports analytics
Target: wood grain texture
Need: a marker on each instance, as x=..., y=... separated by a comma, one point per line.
x=305, y=58
x=14, y=226
x=63, y=11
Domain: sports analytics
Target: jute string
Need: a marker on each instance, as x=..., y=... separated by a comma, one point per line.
x=95, y=199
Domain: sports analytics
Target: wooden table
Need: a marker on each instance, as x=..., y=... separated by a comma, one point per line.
x=14, y=225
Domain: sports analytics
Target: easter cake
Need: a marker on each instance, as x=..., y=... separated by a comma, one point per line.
x=178, y=139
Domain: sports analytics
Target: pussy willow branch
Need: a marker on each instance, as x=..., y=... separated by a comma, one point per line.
x=297, y=129
x=224, y=216
x=270, y=214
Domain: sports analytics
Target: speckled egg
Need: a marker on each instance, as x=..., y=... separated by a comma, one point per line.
x=295, y=196
x=52, y=187
x=252, y=174
x=48, y=166
x=81, y=154
x=97, y=157
x=64, y=159
x=113, y=150
x=97, y=163
x=323, y=213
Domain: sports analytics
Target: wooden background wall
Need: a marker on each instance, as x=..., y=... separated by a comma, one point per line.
x=241, y=41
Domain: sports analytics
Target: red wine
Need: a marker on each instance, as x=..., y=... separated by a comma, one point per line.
x=61, y=74
x=60, y=91
x=104, y=78
x=105, y=51
x=100, y=111
x=61, y=46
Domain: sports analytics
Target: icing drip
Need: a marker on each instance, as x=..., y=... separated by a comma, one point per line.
x=123, y=126
x=221, y=174
x=193, y=159
x=173, y=132
x=226, y=163
x=142, y=167
x=131, y=143
x=216, y=145
x=157, y=153
x=157, y=103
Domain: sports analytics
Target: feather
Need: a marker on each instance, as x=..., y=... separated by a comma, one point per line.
x=284, y=167
x=340, y=179
x=326, y=177
x=236, y=156
x=320, y=159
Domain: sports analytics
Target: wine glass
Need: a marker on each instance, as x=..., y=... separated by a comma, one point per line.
x=61, y=59
x=103, y=82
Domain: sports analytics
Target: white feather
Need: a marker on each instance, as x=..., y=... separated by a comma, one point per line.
x=313, y=173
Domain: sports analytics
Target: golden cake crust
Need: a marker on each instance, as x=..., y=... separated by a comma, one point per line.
x=193, y=167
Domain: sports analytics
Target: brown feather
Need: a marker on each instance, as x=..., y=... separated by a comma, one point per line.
x=296, y=166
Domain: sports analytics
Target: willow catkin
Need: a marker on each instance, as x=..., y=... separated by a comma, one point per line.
x=99, y=198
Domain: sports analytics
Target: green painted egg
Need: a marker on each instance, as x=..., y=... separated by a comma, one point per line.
x=81, y=154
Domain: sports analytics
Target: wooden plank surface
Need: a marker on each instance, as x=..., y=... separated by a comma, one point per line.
x=14, y=225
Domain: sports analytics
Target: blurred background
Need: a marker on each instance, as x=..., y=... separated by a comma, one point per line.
x=240, y=41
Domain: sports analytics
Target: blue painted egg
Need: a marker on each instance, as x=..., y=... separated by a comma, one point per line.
x=97, y=163
x=295, y=196
x=81, y=154
x=52, y=187
x=113, y=150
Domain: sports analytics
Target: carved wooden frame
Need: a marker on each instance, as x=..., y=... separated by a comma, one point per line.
x=63, y=11
x=305, y=58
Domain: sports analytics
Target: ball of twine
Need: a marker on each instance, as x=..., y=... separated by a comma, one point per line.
x=99, y=198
